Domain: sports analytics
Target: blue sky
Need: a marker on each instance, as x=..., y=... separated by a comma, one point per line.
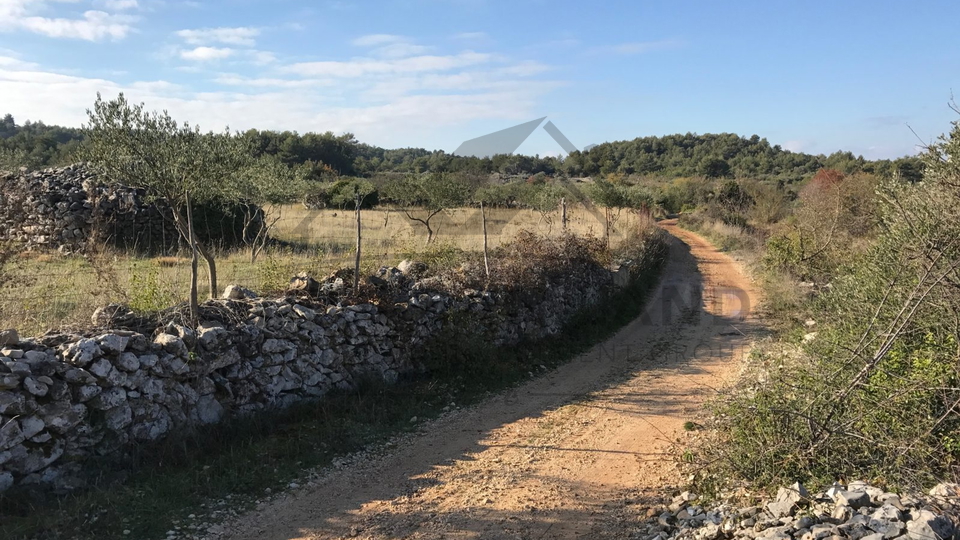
x=810, y=76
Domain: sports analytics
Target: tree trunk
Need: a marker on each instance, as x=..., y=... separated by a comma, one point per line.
x=211, y=269
x=563, y=213
x=486, y=261
x=263, y=236
x=606, y=225
x=247, y=222
x=356, y=262
x=429, y=232
x=191, y=238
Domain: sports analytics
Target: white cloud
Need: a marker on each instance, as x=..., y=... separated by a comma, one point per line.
x=240, y=36
x=400, y=50
x=395, y=122
x=422, y=100
x=230, y=79
x=156, y=86
x=390, y=45
x=373, y=40
x=120, y=5
x=364, y=66
x=63, y=99
x=206, y=54
x=638, y=47
x=93, y=25
x=525, y=69
x=262, y=57
x=796, y=146
x=10, y=62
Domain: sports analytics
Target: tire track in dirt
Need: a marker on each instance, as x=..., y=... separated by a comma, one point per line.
x=576, y=453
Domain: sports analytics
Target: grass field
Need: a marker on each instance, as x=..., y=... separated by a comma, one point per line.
x=43, y=291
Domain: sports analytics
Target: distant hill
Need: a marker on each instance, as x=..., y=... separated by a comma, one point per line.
x=713, y=155
x=724, y=154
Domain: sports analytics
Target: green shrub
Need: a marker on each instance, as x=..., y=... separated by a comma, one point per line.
x=147, y=291
x=874, y=394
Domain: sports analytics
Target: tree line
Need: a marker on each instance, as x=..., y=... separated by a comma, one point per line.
x=328, y=155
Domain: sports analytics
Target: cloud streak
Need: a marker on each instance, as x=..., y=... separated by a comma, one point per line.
x=240, y=36
x=637, y=47
x=364, y=67
x=390, y=45
x=207, y=54
x=93, y=25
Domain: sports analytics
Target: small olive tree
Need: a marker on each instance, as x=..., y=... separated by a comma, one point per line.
x=431, y=193
x=610, y=196
x=266, y=181
x=126, y=144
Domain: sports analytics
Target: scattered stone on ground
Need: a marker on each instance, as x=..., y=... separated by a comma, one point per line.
x=857, y=511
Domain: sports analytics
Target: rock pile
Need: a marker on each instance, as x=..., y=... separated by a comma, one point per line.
x=857, y=511
x=67, y=207
x=64, y=398
x=63, y=208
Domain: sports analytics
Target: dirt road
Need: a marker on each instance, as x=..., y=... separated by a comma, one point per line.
x=571, y=454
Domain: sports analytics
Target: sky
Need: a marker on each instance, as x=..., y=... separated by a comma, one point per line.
x=871, y=77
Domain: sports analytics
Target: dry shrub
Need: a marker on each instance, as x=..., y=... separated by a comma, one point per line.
x=769, y=203
x=835, y=220
x=532, y=261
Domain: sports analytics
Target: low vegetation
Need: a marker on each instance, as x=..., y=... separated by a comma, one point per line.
x=861, y=381
x=238, y=461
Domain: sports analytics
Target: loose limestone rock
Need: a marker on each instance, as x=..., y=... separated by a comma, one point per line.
x=9, y=337
x=876, y=520
x=236, y=292
x=927, y=525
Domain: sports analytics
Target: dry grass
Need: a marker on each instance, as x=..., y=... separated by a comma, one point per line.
x=49, y=290
x=169, y=262
x=389, y=229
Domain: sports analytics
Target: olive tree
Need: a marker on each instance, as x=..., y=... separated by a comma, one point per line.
x=610, y=196
x=126, y=144
x=423, y=196
x=266, y=181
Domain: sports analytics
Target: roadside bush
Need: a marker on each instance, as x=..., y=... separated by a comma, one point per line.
x=835, y=221
x=874, y=393
x=769, y=202
x=531, y=261
x=684, y=193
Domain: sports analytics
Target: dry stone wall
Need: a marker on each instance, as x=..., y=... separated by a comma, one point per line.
x=65, y=208
x=67, y=397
